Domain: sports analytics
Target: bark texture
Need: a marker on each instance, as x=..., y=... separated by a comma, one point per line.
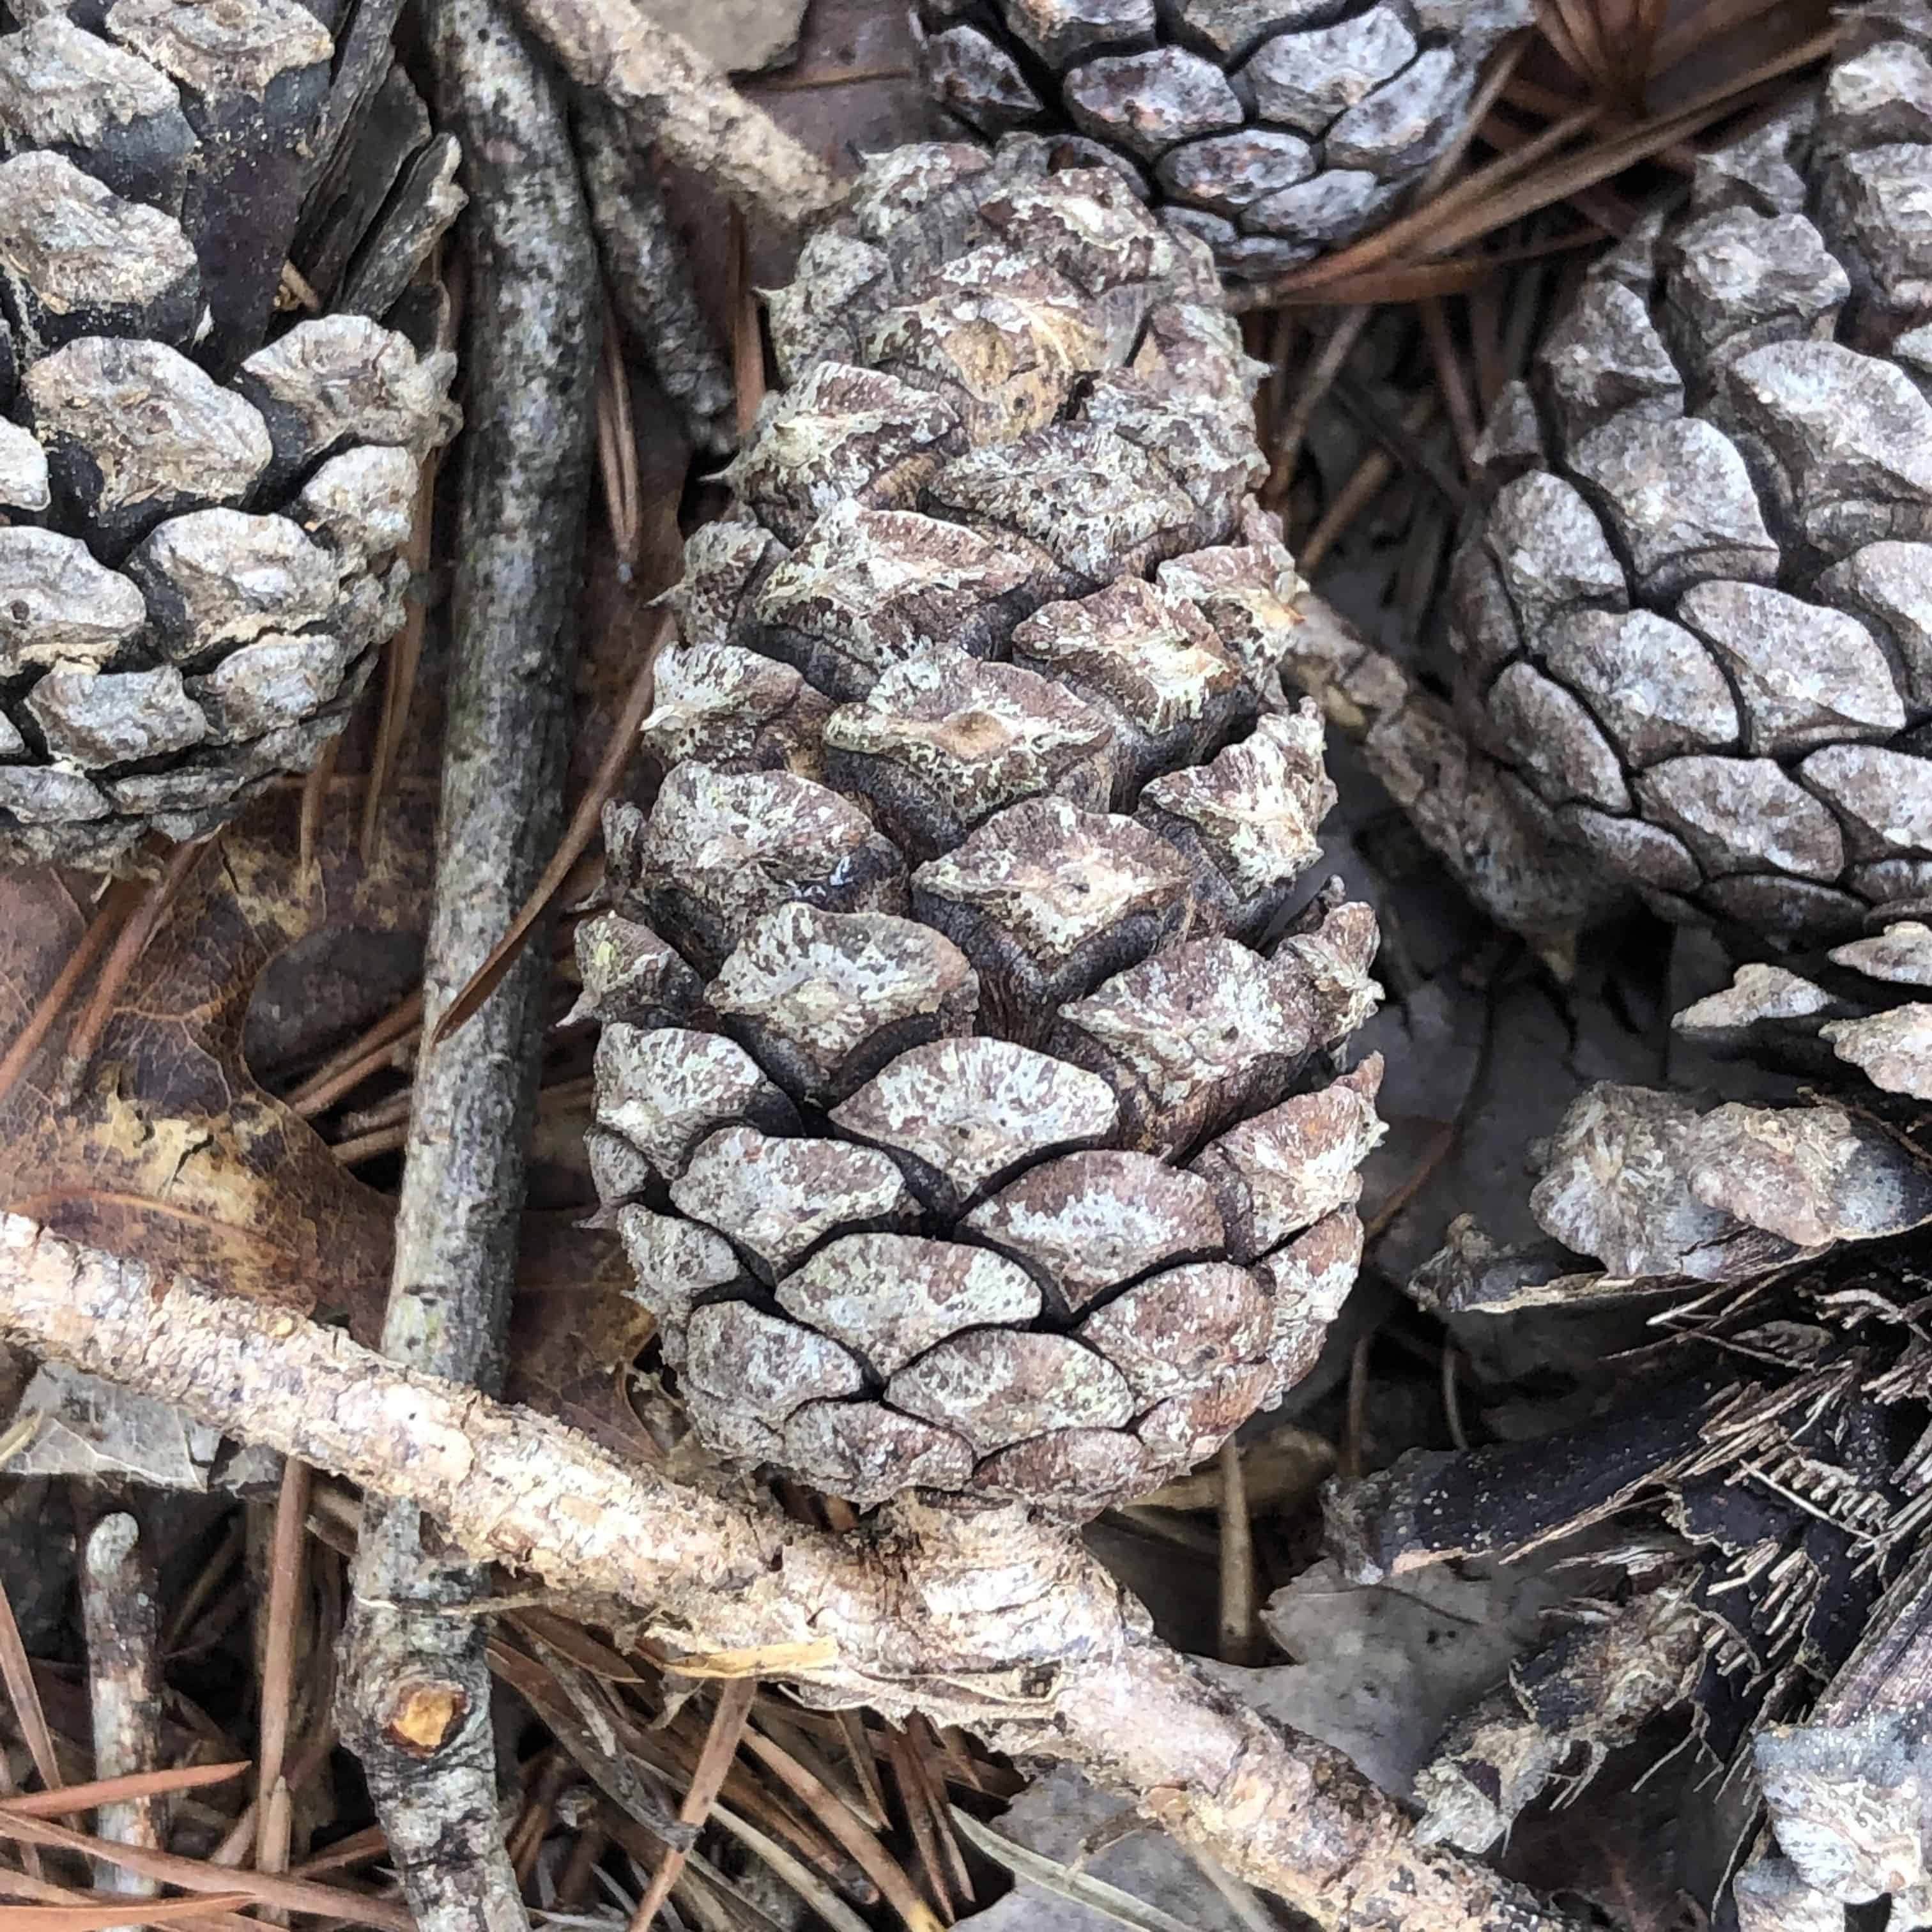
x=673, y=97
x=990, y=1619
x=415, y=1702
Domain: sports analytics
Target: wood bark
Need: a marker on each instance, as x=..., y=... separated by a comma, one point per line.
x=992, y=1619
x=414, y=1701
x=672, y=96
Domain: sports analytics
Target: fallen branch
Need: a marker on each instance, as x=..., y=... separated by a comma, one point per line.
x=673, y=96
x=993, y=1620
x=414, y=1701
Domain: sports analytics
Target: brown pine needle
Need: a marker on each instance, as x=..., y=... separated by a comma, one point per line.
x=315, y=802
x=1238, y=1561
x=196, y=1875
x=707, y=1780
x=1451, y=380
x=1315, y=385
x=617, y=447
x=129, y=945
x=926, y=1750
x=72, y=1799
x=1707, y=21
x=116, y=903
x=287, y=1572
x=347, y=1069
x=401, y=660
x=844, y=1824
x=916, y=1805
x=747, y=352
x=103, y=1917
x=17, y=1674
x=583, y=826
x=1517, y=185
x=359, y=1148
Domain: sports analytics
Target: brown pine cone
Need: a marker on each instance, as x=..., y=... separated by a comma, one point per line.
x=1695, y=620
x=1273, y=129
x=203, y=497
x=965, y=1125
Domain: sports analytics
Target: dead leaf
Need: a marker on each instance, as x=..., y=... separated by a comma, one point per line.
x=575, y=1329
x=171, y=1150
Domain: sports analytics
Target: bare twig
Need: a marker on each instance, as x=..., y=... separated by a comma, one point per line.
x=651, y=279
x=673, y=96
x=285, y=1576
x=118, y=1607
x=1238, y=1561
x=414, y=1701
x=583, y=824
x=994, y=1621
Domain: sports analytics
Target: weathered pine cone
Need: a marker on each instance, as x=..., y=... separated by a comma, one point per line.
x=1273, y=129
x=203, y=506
x=964, y=1129
x=1695, y=620
x=1859, y=1010
x=1761, y=1449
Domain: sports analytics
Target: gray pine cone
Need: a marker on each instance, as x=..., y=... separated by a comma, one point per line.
x=1273, y=129
x=203, y=505
x=965, y=1125
x=1761, y=1450
x=1695, y=620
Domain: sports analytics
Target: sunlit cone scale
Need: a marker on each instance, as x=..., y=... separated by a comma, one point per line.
x=1696, y=619
x=967, y=1124
x=203, y=494
x=1273, y=129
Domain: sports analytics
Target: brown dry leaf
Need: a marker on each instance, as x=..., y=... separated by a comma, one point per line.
x=574, y=1331
x=170, y=1150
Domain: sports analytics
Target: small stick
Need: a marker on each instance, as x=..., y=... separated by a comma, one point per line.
x=1238, y=1561
x=413, y=1700
x=287, y=1571
x=1049, y=1664
x=674, y=98
x=650, y=278
x=119, y=1615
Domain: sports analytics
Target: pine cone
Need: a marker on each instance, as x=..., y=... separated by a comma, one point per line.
x=1765, y=1456
x=1695, y=621
x=203, y=506
x=1273, y=129
x=1854, y=1009
x=960, y=1132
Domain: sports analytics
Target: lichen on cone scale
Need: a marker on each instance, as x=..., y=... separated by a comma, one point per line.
x=203, y=495
x=1274, y=129
x=969, y=1097
x=1696, y=618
